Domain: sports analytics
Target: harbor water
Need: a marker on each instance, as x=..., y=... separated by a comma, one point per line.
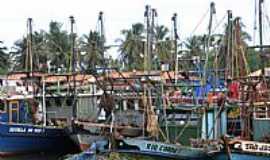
x=68, y=157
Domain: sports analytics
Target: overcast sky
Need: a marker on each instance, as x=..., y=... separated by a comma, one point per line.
x=119, y=14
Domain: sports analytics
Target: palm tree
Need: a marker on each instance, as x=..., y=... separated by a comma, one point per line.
x=164, y=45
x=39, y=51
x=4, y=59
x=132, y=47
x=18, y=54
x=91, y=45
x=59, y=45
x=195, y=45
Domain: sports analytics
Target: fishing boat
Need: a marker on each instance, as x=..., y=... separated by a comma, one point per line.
x=240, y=149
x=19, y=134
x=160, y=149
x=248, y=94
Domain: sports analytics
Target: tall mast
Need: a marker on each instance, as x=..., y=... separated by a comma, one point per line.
x=147, y=15
x=102, y=36
x=72, y=63
x=73, y=57
x=212, y=12
x=208, y=37
x=154, y=15
x=228, y=71
x=260, y=33
x=176, y=37
x=72, y=35
x=29, y=56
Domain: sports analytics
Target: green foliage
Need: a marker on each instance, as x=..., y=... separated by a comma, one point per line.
x=18, y=54
x=253, y=59
x=59, y=46
x=91, y=45
x=132, y=47
x=4, y=59
x=54, y=46
x=164, y=46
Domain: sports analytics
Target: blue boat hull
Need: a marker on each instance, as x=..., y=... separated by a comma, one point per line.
x=21, y=139
x=240, y=156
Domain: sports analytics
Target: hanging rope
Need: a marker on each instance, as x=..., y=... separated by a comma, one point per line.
x=183, y=129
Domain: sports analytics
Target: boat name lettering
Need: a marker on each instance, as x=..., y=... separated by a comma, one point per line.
x=161, y=148
x=256, y=147
x=17, y=130
x=24, y=130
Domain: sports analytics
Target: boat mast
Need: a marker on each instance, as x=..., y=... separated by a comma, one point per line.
x=176, y=37
x=261, y=36
x=102, y=36
x=208, y=38
x=29, y=56
x=150, y=16
x=72, y=36
x=44, y=101
x=72, y=22
x=212, y=12
x=147, y=58
x=227, y=66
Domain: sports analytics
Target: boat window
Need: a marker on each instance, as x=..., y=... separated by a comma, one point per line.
x=262, y=112
x=268, y=112
x=2, y=106
x=48, y=103
x=69, y=101
x=58, y=102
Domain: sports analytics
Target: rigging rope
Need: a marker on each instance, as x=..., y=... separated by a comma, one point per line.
x=200, y=22
x=219, y=23
x=255, y=23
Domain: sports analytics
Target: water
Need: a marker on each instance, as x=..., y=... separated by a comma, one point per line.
x=40, y=156
x=63, y=157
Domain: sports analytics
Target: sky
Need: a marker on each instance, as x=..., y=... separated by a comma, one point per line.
x=119, y=14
